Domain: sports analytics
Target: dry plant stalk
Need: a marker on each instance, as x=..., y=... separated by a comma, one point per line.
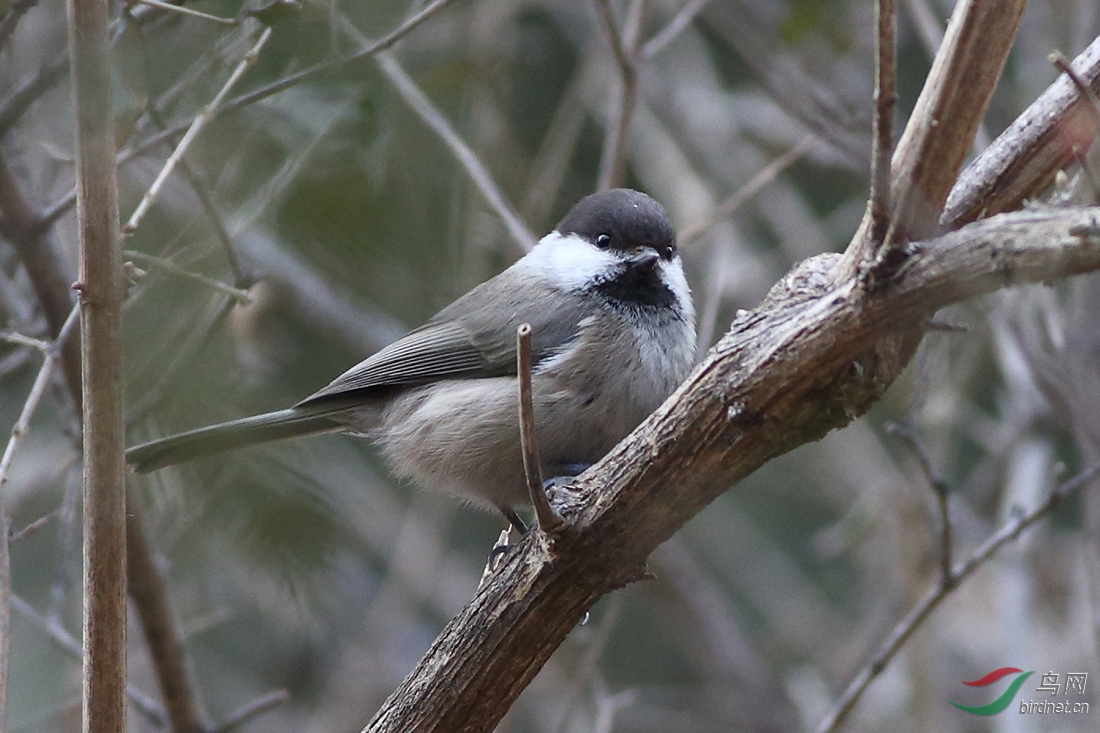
x=101, y=292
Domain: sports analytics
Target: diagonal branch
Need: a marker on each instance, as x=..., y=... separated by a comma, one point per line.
x=1022, y=161
x=941, y=130
x=808, y=360
x=939, y=592
x=477, y=171
x=193, y=131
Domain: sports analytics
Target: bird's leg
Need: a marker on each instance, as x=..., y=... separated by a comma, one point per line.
x=513, y=518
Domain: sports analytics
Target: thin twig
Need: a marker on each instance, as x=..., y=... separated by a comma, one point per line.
x=939, y=488
x=22, y=424
x=34, y=526
x=183, y=10
x=670, y=32
x=1063, y=64
x=623, y=42
x=432, y=117
x=45, y=267
x=435, y=120
x=5, y=611
x=206, y=201
x=252, y=709
x=200, y=121
x=16, y=103
x=549, y=520
x=369, y=48
x=753, y=186
x=14, y=337
x=883, y=127
x=935, y=595
x=1092, y=106
x=586, y=667
x=241, y=296
x=63, y=639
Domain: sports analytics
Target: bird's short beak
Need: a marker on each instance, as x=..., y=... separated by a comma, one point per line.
x=643, y=258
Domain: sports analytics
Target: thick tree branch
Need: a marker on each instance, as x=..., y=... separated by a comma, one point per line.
x=1022, y=161
x=941, y=130
x=810, y=359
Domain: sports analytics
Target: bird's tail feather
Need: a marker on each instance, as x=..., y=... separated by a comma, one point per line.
x=228, y=436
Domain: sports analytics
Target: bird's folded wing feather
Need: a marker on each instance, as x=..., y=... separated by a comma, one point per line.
x=464, y=341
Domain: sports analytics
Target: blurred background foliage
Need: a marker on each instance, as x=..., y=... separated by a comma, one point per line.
x=303, y=566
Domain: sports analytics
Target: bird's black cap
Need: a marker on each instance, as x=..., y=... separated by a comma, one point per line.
x=621, y=219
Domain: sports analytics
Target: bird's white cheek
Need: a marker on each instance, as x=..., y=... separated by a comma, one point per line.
x=567, y=261
x=672, y=273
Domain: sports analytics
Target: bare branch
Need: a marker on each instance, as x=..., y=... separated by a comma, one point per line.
x=1022, y=161
x=148, y=707
x=939, y=488
x=101, y=294
x=206, y=201
x=753, y=186
x=941, y=129
x=1093, y=106
x=183, y=10
x=247, y=712
x=42, y=261
x=22, y=424
x=813, y=357
x=16, y=103
x=34, y=526
x=193, y=131
x=149, y=590
x=675, y=27
x=16, y=10
x=623, y=42
x=5, y=610
x=1093, y=102
x=549, y=520
x=432, y=117
x=882, y=151
x=368, y=49
x=936, y=595
x=241, y=296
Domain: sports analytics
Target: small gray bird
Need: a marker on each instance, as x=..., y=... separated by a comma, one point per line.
x=613, y=334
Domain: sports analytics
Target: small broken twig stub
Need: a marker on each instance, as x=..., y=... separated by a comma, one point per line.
x=549, y=520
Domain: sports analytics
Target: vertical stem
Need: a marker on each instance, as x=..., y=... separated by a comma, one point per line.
x=885, y=96
x=5, y=613
x=149, y=590
x=101, y=291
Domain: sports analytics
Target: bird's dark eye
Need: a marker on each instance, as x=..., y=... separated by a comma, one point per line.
x=603, y=241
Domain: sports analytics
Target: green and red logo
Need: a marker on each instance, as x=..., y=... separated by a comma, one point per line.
x=1001, y=702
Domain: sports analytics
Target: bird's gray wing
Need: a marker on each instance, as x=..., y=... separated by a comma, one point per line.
x=473, y=337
